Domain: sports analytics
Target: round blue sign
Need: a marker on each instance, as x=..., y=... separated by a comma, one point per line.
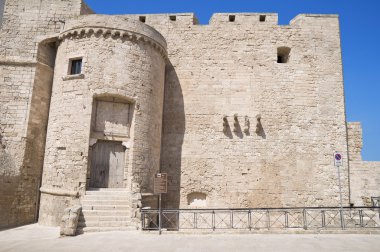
x=338, y=156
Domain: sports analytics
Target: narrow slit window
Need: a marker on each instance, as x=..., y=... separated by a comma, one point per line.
x=262, y=18
x=142, y=19
x=75, y=66
x=231, y=18
x=283, y=54
x=173, y=18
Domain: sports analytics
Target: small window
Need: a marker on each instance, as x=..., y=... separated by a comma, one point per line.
x=283, y=54
x=75, y=66
x=231, y=18
x=142, y=19
x=262, y=18
x=173, y=18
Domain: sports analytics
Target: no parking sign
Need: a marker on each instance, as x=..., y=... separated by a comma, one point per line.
x=338, y=159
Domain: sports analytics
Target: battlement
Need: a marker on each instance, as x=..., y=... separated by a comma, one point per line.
x=219, y=19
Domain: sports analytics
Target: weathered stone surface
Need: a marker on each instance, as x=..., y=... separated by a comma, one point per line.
x=364, y=176
x=26, y=72
x=69, y=220
x=211, y=105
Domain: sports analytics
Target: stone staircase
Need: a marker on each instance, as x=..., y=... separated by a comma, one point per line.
x=105, y=209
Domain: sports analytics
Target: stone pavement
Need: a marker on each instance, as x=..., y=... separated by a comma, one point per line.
x=37, y=238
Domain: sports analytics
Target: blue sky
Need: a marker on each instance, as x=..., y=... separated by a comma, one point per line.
x=360, y=33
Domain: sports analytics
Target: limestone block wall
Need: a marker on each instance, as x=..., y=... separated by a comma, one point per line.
x=364, y=182
x=364, y=175
x=230, y=67
x=2, y=3
x=123, y=59
x=25, y=84
x=355, y=141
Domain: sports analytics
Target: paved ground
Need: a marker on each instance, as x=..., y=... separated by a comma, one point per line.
x=36, y=238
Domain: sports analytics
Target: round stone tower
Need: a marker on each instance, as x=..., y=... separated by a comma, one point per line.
x=105, y=119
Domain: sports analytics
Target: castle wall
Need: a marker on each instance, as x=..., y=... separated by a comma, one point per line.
x=355, y=141
x=364, y=175
x=233, y=127
x=25, y=84
x=2, y=3
x=121, y=59
x=228, y=68
x=364, y=182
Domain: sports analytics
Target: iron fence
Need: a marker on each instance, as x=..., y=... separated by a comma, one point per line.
x=263, y=218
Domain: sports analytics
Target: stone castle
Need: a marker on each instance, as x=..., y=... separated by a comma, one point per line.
x=240, y=113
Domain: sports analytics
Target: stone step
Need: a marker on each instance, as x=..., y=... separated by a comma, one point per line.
x=106, y=213
x=86, y=202
x=106, y=197
x=104, y=223
x=106, y=207
x=114, y=193
x=104, y=229
x=106, y=189
x=105, y=218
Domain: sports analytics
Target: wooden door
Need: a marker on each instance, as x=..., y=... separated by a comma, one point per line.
x=107, y=165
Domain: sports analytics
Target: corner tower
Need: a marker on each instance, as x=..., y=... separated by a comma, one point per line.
x=106, y=111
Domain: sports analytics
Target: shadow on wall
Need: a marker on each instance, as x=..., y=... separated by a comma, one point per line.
x=172, y=136
x=20, y=183
x=19, y=194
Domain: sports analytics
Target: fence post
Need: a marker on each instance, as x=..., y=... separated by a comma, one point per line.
x=249, y=220
x=361, y=218
x=142, y=220
x=178, y=213
x=323, y=218
x=341, y=218
x=286, y=219
x=195, y=220
x=213, y=220
x=268, y=220
x=232, y=219
x=304, y=219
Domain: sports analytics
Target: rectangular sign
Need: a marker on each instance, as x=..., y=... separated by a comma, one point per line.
x=338, y=159
x=161, y=183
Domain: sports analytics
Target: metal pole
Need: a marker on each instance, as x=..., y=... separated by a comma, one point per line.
x=160, y=215
x=341, y=198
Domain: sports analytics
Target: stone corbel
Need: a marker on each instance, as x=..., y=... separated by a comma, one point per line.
x=246, y=125
x=93, y=141
x=236, y=123
x=127, y=144
x=259, y=126
x=225, y=124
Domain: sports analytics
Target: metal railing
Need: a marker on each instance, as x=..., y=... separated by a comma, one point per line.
x=263, y=218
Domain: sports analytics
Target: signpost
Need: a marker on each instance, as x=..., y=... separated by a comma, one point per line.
x=160, y=187
x=338, y=162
